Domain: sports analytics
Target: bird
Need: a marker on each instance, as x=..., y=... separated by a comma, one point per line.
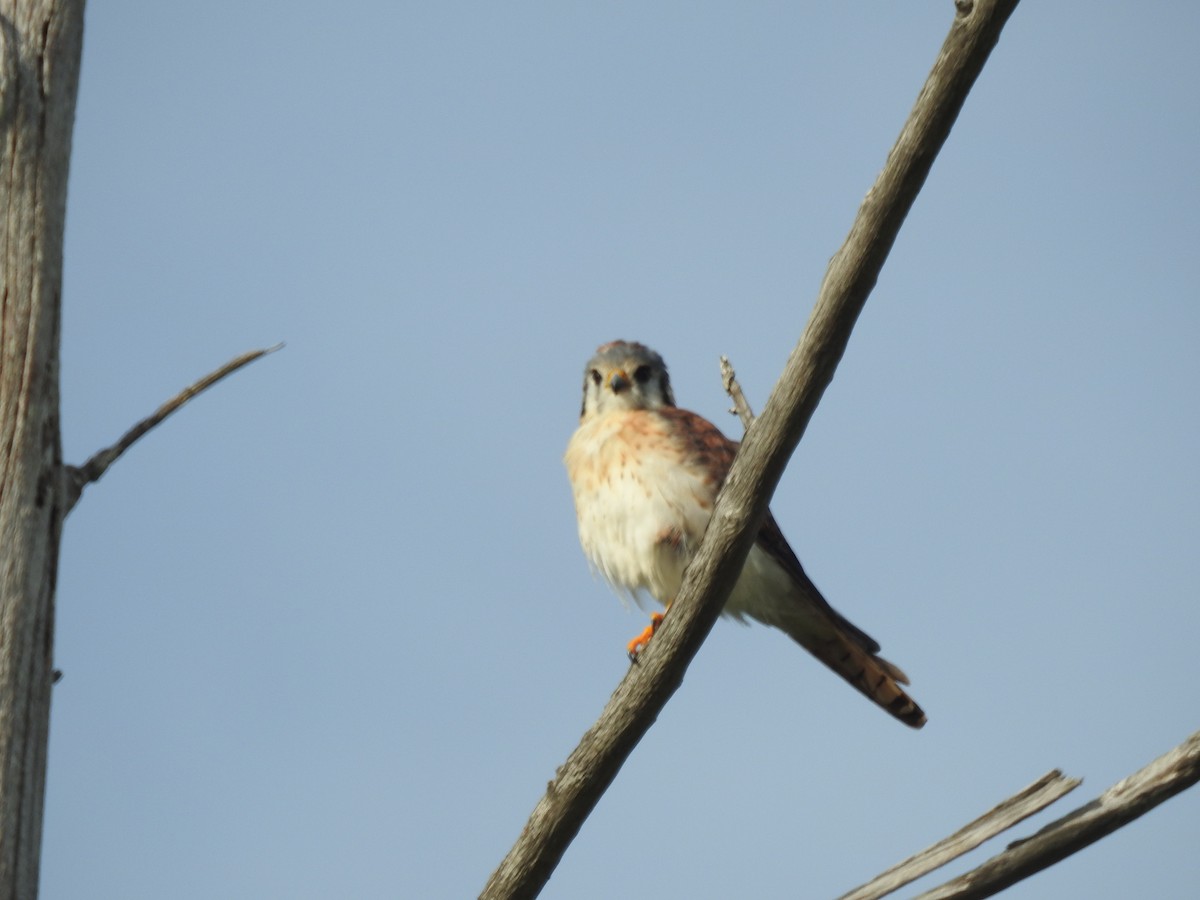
x=645, y=475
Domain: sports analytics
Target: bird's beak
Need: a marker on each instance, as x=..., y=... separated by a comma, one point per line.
x=618, y=381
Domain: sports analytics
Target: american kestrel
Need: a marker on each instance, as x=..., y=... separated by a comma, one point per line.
x=645, y=475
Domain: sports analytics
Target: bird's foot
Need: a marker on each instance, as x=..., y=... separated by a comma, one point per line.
x=638, y=643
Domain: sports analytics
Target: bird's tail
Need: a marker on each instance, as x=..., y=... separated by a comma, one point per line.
x=871, y=675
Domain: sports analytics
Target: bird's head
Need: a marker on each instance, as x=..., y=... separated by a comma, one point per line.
x=624, y=375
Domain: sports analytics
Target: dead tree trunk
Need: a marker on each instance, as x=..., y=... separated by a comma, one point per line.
x=40, y=46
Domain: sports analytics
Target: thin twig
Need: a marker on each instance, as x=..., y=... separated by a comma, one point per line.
x=741, y=406
x=76, y=478
x=1020, y=806
x=1125, y=801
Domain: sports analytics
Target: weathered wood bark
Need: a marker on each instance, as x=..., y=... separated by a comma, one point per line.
x=40, y=45
x=592, y=766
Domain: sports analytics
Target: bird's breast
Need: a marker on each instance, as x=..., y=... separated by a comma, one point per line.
x=641, y=507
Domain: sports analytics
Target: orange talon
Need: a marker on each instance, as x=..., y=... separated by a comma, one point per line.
x=635, y=646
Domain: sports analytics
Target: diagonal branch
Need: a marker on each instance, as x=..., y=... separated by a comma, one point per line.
x=1128, y=799
x=76, y=478
x=591, y=767
x=1047, y=789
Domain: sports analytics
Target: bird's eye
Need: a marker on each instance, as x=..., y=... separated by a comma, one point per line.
x=595, y=376
x=641, y=374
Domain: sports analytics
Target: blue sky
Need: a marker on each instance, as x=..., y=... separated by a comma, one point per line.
x=328, y=631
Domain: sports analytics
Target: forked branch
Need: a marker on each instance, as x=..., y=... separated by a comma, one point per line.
x=1125, y=801
x=1020, y=806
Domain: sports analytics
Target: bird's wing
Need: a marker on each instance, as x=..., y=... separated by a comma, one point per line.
x=835, y=640
x=811, y=621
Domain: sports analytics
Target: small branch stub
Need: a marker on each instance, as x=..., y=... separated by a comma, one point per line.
x=741, y=406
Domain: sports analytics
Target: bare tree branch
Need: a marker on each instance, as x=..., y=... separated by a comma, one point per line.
x=741, y=406
x=637, y=701
x=1047, y=789
x=76, y=478
x=1125, y=801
